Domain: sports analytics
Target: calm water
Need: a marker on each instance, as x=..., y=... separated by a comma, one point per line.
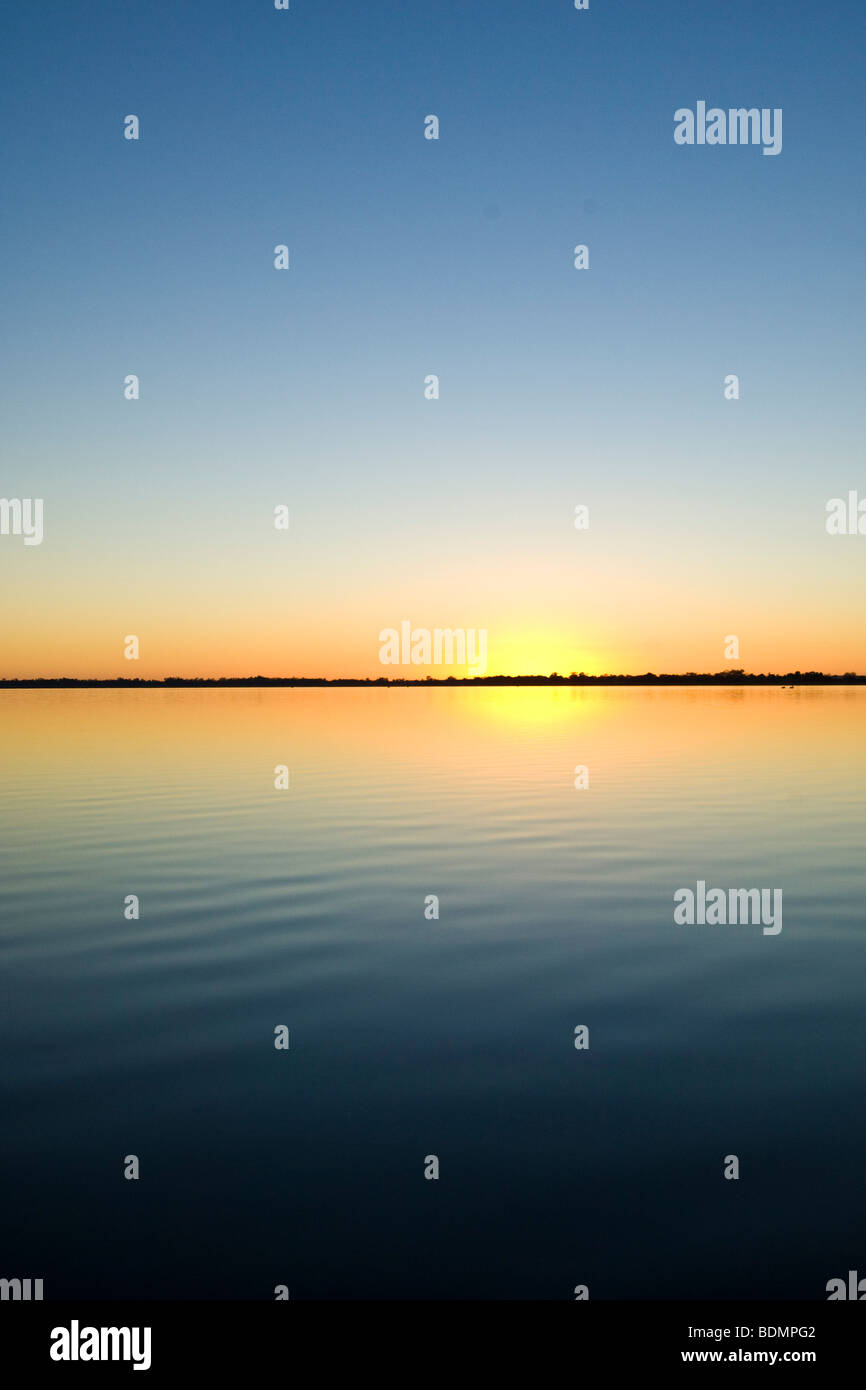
x=412, y=1037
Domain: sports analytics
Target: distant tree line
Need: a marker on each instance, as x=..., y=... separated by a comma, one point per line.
x=733, y=677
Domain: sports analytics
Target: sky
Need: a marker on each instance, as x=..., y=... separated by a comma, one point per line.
x=410, y=257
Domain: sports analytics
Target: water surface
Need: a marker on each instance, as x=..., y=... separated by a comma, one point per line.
x=412, y=1037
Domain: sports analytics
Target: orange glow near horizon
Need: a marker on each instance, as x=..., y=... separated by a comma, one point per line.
x=208, y=638
x=147, y=735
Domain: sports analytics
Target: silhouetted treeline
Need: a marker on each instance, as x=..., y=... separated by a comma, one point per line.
x=576, y=678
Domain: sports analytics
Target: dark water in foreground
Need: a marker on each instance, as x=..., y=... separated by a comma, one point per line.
x=412, y=1037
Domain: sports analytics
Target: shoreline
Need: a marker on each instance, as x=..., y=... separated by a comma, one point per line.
x=722, y=679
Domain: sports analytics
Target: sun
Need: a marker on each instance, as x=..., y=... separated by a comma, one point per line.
x=538, y=653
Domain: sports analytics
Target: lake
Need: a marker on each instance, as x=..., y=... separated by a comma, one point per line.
x=410, y=1035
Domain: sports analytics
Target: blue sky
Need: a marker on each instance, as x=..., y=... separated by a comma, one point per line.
x=452, y=257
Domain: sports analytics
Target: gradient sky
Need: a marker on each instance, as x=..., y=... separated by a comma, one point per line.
x=411, y=257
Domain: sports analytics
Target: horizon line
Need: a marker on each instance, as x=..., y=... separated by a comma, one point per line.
x=734, y=677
